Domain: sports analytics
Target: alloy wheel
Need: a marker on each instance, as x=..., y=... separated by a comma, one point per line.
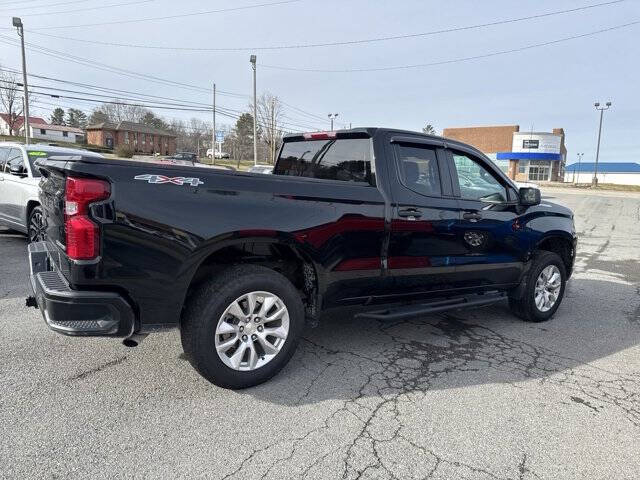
x=547, y=288
x=37, y=227
x=252, y=331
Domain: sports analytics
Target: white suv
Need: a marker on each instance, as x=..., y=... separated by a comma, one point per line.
x=19, y=204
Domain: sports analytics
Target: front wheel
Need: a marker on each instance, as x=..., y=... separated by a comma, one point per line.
x=543, y=290
x=36, y=227
x=241, y=328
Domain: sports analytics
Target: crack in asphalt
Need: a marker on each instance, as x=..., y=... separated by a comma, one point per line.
x=408, y=369
x=97, y=369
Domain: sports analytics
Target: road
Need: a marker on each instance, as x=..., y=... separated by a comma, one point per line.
x=473, y=394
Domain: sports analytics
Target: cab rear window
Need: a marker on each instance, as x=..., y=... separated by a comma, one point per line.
x=346, y=159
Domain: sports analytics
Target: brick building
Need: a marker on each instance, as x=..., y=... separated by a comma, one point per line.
x=524, y=156
x=143, y=139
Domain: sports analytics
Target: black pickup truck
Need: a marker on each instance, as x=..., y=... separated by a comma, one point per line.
x=395, y=222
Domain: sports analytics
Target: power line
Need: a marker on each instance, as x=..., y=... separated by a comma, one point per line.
x=155, y=100
x=120, y=71
x=169, y=17
x=20, y=8
x=21, y=2
x=153, y=105
x=99, y=7
x=334, y=44
x=104, y=67
x=221, y=111
x=455, y=60
x=112, y=90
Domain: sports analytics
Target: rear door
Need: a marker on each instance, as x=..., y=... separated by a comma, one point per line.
x=487, y=231
x=422, y=245
x=338, y=211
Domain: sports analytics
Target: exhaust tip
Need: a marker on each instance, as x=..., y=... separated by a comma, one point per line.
x=134, y=340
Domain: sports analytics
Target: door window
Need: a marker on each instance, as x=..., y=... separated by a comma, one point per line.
x=418, y=168
x=477, y=182
x=4, y=155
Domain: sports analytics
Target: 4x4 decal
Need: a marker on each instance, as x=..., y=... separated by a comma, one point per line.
x=152, y=178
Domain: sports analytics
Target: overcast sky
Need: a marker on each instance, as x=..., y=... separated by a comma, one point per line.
x=539, y=88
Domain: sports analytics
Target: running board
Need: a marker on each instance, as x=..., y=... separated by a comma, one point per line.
x=407, y=311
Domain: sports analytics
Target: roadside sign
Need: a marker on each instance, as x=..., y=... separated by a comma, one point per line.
x=220, y=136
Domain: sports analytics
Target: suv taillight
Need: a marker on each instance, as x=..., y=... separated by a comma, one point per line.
x=82, y=235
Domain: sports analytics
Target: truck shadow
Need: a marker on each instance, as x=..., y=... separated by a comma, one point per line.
x=15, y=266
x=351, y=359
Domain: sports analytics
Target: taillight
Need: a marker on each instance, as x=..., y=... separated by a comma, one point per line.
x=82, y=235
x=320, y=135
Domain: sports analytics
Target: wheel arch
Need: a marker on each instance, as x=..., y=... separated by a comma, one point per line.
x=278, y=254
x=31, y=204
x=561, y=243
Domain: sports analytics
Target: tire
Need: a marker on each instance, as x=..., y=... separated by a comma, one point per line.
x=205, y=312
x=36, y=226
x=525, y=306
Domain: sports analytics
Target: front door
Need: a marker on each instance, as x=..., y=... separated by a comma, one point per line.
x=487, y=231
x=422, y=244
x=12, y=198
x=4, y=197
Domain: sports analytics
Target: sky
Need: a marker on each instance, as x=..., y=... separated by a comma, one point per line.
x=538, y=88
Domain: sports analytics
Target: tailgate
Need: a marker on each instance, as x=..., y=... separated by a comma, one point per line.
x=52, y=187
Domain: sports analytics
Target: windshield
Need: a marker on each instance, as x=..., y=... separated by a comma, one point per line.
x=35, y=155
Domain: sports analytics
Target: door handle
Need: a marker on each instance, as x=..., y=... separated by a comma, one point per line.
x=472, y=216
x=410, y=213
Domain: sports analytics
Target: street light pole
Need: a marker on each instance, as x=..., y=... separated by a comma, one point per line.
x=332, y=116
x=579, y=162
x=17, y=22
x=273, y=131
x=252, y=59
x=594, y=181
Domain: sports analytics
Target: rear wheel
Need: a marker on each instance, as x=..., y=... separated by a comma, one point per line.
x=241, y=328
x=36, y=225
x=543, y=290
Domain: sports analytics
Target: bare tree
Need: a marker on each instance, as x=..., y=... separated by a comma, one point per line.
x=11, y=98
x=270, y=118
x=116, y=112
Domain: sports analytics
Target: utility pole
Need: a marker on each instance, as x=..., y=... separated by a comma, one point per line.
x=273, y=131
x=594, y=181
x=579, y=162
x=252, y=59
x=332, y=116
x=17, y=22
x=213, y=135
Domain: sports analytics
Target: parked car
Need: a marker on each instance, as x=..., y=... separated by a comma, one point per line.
x=218, y=154
x=261, y=169
x=527, y=185
x=19, y=203
x=184, y=157
x=373, y=218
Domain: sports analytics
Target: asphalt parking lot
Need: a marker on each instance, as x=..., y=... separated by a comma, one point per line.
x=473, y=394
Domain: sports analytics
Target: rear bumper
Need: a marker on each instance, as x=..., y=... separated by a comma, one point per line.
x=76, y=312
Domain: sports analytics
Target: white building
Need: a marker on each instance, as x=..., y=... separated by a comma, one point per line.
x=56, y=133
x=620, y=173
x=7, y=122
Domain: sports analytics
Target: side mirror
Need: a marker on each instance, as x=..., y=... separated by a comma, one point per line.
x=18, y=170
x=529, y=196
